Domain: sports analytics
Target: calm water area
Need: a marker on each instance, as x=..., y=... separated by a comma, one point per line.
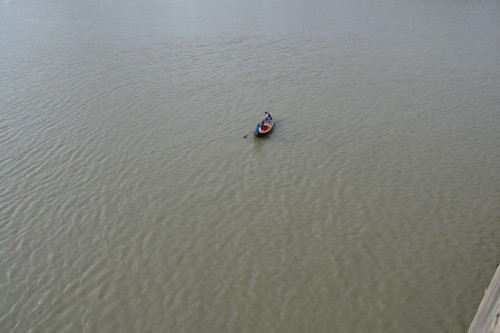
x=130, y=201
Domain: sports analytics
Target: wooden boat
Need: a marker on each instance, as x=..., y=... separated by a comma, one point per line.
x=264, y=128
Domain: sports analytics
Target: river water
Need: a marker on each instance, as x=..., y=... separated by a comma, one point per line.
x=130, y=201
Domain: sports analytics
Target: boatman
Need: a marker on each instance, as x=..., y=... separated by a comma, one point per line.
x=257, y=128
x=268, y=116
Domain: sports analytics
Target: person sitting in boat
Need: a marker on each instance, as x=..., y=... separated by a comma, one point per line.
x=268, y=116
x=264, y=126
x=257, y=127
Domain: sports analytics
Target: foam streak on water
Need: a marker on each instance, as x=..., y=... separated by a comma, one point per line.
x=129, y=200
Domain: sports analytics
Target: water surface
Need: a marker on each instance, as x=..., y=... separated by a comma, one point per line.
x=130, y=200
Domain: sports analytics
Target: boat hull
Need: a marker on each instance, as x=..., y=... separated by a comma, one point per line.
x=260, y=133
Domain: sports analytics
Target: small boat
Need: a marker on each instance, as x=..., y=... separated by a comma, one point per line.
x=263, y=128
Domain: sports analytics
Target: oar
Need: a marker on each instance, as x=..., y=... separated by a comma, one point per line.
x=248, y=134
